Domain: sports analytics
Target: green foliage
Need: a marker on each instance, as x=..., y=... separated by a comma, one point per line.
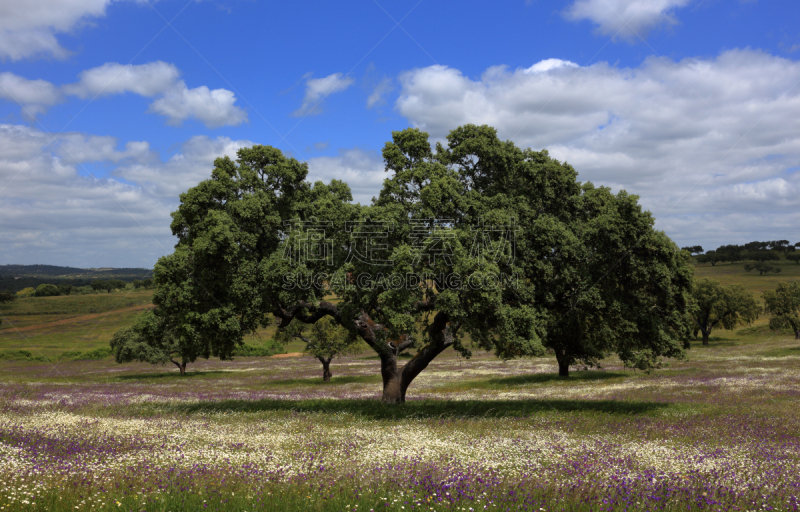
x=19, y=355
x=795, y=257
x=150, y=340
x=324, y=339
x=46, y=290
x=784, y=303
x=761, y=267
x=270, y=347
x=726, y=306
x=91, y=355
x=761, y=256
x=26, y=292
x=583, y=270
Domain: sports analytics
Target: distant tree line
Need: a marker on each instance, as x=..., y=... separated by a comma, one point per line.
x=94, y=286
x=757, y=254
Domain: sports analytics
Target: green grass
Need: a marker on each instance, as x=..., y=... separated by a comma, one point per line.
x=73, y=305
x=734, y=273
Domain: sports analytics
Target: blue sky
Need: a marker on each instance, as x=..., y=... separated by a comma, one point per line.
x=108, y=110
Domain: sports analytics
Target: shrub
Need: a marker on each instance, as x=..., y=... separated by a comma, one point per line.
x=269, y=348
x=26, y=292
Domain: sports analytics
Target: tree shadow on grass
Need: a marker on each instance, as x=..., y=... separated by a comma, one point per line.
x=374, y=409
x=713, y=343
x=317, y=381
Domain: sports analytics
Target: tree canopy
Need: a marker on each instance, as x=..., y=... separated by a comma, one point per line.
x=784, y=303
x=476, y=244
x=325, y=339
x=148, y=340
x=761, y=267
x=724, y=306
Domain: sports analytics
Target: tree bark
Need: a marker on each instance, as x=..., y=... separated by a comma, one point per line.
x=395, y=380
x=797, y=334
x=326, y=368
x=563, y=363
x=706, y=334
x=181, y=366
x=393, y=389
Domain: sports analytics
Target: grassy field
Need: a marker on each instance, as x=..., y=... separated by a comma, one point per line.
x=717, y=431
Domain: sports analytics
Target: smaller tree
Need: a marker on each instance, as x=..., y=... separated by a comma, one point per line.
x=116, y=284
x=137, y=283
x=148, y=341
x=761, y=256
x=795, y=257
x=65, y=289
x=100, y=285
x=712, y=257
x=761, y=267
x=147, y=283
x=46, y=290
x=324, y=339
x=784, y=304
x=727, y=306
x=693, y=249
x=26, y=292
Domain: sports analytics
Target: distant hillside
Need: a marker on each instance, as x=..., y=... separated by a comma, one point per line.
x=52, y=271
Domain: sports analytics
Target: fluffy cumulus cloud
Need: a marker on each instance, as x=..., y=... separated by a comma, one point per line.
x=214, y=108
x=625, y=18
x=317, y=89
x=362, y=170
x=52, y=209
x=112, y=78
x=707, y=143
x=29, y=28
x=174, y=100
x=33, y=96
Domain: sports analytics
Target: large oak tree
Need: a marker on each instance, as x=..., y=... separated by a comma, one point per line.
x=476, y=243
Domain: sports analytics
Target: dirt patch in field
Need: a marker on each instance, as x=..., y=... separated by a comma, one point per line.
x=290, y=354
x=75, y=319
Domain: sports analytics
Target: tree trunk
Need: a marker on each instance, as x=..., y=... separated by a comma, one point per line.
x=706, y=334
x=395, y=380
x=563, y=363
x=393, y=389
x=181, y=366
x=797, y=334
x=326, y=368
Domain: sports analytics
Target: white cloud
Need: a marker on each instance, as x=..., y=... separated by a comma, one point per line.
x=148, y=79
x=363, y=170
x=214, y=108
x=698, y=138
x=376, y=97
x=626, y=18
x=183, y=170
x=51, y=211
x=176, y=101
x=33, y=96
x=548, y=65
x=28, y=28
x=317, y=89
